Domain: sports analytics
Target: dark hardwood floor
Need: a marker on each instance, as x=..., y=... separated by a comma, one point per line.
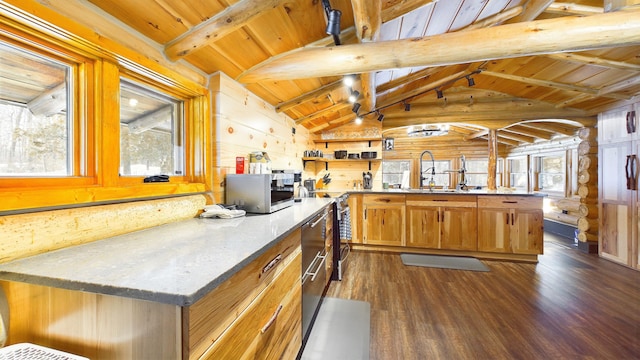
x=570, y=305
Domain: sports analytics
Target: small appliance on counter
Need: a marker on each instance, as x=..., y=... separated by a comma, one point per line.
x=260, y=193
x=310, y=185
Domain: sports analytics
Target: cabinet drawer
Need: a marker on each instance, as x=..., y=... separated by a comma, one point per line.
x=383, y=199
x=271, y=326
x=510, y=202
x=204, y=321
x=442, y=200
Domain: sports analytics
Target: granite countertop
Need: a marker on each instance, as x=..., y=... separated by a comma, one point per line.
x=428, y=192
x=175, y=263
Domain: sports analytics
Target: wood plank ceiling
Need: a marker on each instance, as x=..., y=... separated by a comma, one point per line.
x=531, y=60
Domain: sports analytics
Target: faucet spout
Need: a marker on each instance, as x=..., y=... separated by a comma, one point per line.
x=432, y=183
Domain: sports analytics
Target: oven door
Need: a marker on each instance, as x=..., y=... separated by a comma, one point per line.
x=314, y=277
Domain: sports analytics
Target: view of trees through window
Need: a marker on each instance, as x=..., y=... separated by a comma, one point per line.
x=551, y=172
x=32, y=145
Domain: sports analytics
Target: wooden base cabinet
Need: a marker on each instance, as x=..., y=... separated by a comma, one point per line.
x=442, y=222
x=384, y=219
x=510, y=224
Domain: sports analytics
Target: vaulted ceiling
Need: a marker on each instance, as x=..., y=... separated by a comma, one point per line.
x=529, y=60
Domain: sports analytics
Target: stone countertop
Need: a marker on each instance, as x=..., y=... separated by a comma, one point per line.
x=175, y=263
x=428, y=192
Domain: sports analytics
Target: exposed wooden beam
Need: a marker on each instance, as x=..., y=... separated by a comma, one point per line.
x=420, y=74
x=573, y=9
x=221, y=24
x=495, y=19
x=476, y=135
x=323, y=112
x=557, y=85
x=402, y=7
x=539, y=37
x=406, y=94
x=52, y=101
x=533, y=9
x=593, y=60
x=319, y=92
x=555, y=127
x=505, y=141
x=513, y=136
x=368, y=21
x=529, y=131
x=607, y=91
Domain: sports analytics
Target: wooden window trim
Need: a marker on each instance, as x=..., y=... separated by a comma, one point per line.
x=95, y=175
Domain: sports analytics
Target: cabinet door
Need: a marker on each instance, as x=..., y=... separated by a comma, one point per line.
x=612, y=126
x=384, y=225
x=458, y=227
x=423, y=228
x=526, y=233
x=615, y=233
x=494, y=230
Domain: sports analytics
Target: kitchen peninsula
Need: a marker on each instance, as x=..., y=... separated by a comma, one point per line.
x=170, y=291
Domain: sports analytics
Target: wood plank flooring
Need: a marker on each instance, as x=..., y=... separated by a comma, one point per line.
x=570, y=305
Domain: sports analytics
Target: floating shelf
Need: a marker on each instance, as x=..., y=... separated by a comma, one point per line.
x=327, y=161
x=327, y=141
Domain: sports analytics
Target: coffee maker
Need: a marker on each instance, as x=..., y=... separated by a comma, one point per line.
x=310, y=185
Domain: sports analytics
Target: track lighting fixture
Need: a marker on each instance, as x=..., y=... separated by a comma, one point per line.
x=470, y=81
x=439, y=94
x=358, y=120
x=354, y=96
x=348, y=80
x=407, y=107
x=356, y=107
x=333, y=23
x=380, y=117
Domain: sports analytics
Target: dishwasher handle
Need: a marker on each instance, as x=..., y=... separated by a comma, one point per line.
x=314, y=273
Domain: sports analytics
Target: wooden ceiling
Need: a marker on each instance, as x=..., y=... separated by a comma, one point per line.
x=529, y=59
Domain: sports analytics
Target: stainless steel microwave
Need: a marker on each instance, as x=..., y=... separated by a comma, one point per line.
x=260, y=193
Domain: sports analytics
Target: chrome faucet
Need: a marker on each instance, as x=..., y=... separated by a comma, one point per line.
x=432, y=183
x=462, y=184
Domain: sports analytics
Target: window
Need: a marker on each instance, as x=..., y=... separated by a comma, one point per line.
x=477, y=173
x=441, y=178
x=36, y=127
x=551, y=172
x=151, y=136
x=392, y=171
x=518, y=173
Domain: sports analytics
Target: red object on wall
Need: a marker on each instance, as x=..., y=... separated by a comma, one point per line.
x=239, y=165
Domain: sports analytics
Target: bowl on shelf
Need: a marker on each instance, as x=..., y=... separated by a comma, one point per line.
x=354, y=156
x=369, y=154
x=340, y=154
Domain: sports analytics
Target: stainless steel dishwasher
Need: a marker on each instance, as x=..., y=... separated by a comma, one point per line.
x=314, y=276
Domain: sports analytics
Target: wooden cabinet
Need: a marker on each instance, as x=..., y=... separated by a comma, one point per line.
x=384, y=219
x=619, y=151
x=235, y=314
x=510, y=224
x=328, y=240
x=442, y=221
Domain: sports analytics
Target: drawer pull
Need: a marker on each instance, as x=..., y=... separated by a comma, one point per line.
x=271, y=320
x=272, y=263
x=441, y=200
x=509, y=202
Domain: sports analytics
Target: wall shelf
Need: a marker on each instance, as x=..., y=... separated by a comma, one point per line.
x=327, y=161
x=327, y=141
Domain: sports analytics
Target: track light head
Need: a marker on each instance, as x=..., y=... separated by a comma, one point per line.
x=348, y=80
x=470, y=81
x=439, y=94
x=354, y=96
x=356, y=107
x=407, y=107
x=358, y=120
x=333, y=23
x=380, y=117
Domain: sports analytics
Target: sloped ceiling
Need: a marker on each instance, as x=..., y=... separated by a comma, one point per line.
x=529, y=59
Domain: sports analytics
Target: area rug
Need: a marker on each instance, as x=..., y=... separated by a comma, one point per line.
x=445, y=262
x=341, y=331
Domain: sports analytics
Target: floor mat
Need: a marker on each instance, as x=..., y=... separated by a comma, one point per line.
x=445, y=262
x=341, y=331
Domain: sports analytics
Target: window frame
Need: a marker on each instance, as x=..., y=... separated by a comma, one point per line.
x=538, y=172
x=95, y=177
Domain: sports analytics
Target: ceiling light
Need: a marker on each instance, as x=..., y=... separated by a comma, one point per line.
x=470, y=81
x=356, y=107
x=429, y=130
x=358, y=120
x=439, y=93
x=333, y=23
x=354, y=96
x=348, y=80
x=380, y=117
x=407, y=107
x=133, y=102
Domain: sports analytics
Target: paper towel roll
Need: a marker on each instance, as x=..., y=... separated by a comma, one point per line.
x=405, y=184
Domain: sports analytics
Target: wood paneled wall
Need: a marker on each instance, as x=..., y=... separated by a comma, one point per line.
x=244, y=123
x=34, y=233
